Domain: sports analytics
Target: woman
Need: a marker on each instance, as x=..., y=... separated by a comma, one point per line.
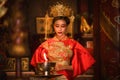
x=71, y=57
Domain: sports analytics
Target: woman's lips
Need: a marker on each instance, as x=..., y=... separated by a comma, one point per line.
x=59, y=32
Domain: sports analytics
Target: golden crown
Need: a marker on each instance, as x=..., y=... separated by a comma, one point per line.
x=60, y=9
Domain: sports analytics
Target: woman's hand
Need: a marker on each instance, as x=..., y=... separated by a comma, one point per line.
x=61, y=67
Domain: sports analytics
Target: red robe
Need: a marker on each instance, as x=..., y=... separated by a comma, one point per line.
x=81, y=59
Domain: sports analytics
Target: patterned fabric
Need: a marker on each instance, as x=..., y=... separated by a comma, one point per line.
x=64, y=52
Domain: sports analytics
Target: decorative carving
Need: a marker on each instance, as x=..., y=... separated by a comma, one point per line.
x=84, y=27
x=115, y=3
x=11, y=64
x=117, y=19
x=3, y=9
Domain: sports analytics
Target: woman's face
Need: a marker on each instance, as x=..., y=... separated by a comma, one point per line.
x=60, y=27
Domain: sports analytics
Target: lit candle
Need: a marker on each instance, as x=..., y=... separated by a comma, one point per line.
x=45, y=64
x=45, y=57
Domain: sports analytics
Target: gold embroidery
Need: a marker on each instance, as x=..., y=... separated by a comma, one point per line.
x=59, y=53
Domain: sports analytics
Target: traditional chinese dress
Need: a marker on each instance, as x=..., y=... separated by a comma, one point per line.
x=64, y=52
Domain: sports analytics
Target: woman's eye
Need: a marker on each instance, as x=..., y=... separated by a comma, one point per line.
x=56, y=26
x=63, y=26
x=60, y=26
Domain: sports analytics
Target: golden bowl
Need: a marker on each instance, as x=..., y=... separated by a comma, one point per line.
x=46, y=68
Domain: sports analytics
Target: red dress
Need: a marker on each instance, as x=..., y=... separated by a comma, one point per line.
x=64, y=52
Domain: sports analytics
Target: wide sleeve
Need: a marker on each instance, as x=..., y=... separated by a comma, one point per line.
x=82, y=60
x=38, y=56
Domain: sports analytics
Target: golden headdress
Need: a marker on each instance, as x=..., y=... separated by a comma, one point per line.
x=60, y=10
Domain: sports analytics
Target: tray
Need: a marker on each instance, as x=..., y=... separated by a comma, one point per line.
x=47, y=76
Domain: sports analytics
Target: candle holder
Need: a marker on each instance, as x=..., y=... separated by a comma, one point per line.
x=46, y=68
